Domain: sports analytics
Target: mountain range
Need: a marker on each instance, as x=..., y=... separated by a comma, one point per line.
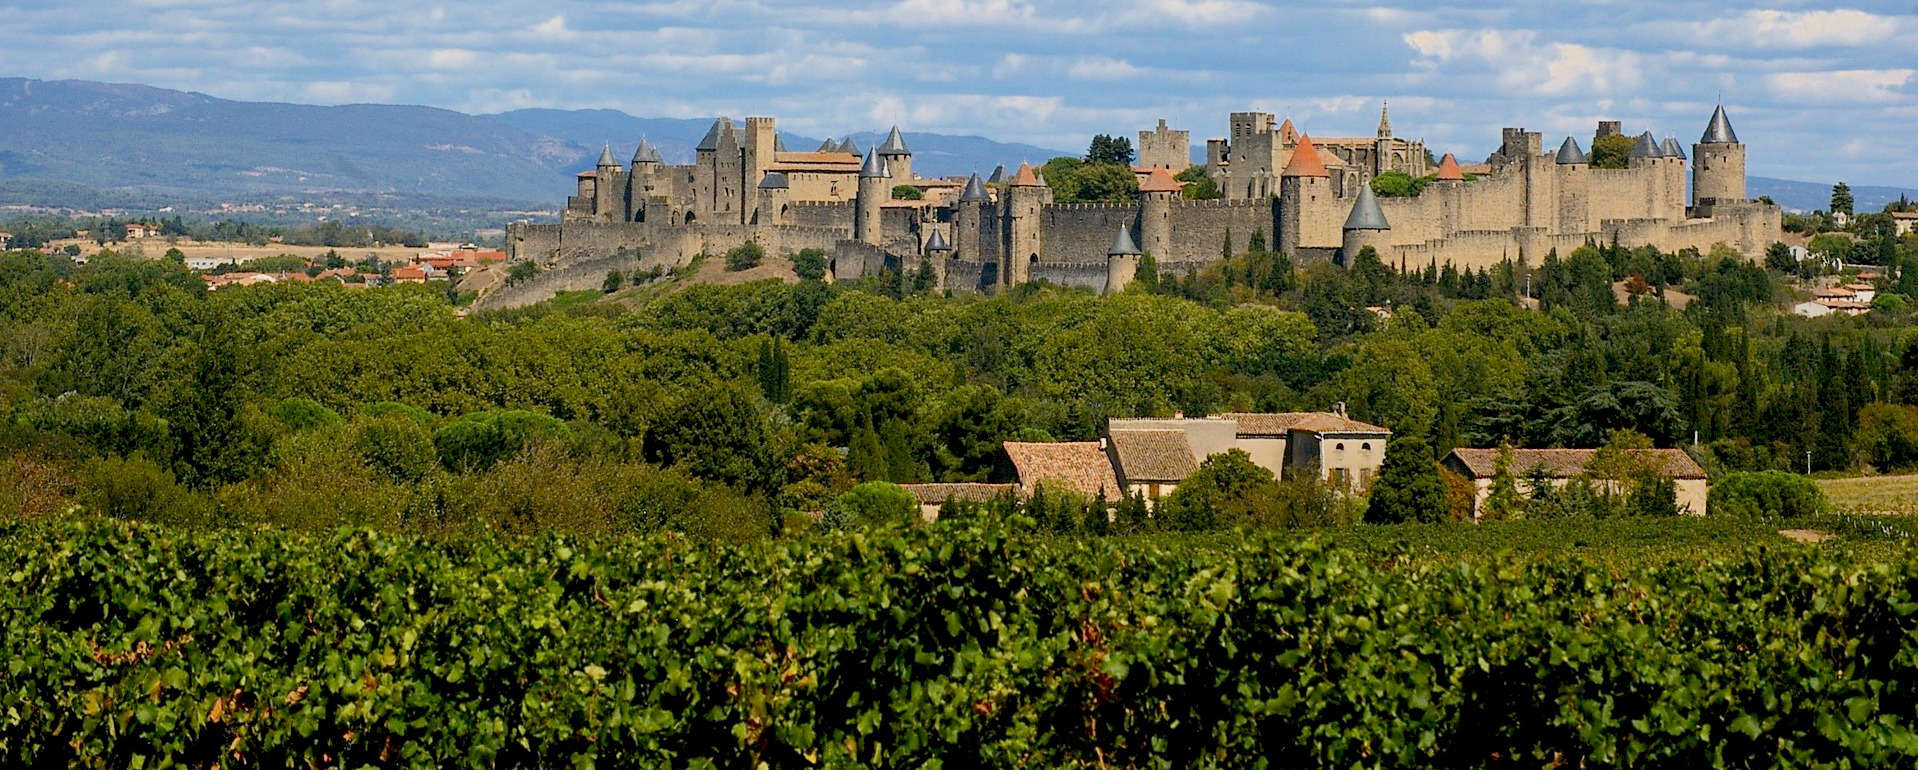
x=81, y=143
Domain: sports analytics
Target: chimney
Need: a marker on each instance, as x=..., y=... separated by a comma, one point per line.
x=1178, y=414
x=1339, y=408
x=1102, y=443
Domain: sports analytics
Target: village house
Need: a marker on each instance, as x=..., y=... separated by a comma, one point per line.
x=1836, y=299
x=1560, y=466
x=139, y=230
x=1903, y=222
x=1150, y=457
x=6, y=239
x=207, y=264
x=409, y=275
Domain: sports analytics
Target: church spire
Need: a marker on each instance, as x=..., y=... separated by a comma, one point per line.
x=1385, y=122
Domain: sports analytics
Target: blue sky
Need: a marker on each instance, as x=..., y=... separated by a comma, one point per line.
x=1816, y=92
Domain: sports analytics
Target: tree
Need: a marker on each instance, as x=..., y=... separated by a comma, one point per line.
x=1116, y=150
x=476, y=441
x=1223, y=491
x=519, y=272
x=810, y=264
x=718, y=434
x=1778, y=257
x=873, y=504
x=1841, y=198
x=774, y=371
x=613, y=279
x=1198, y=185
x=1398, y=184
x=1408, y=487
x=1106, y=183
x=906, y=192
x=1611, y=151
x=745, y=256
x=1766, y=493
x=1502, y=500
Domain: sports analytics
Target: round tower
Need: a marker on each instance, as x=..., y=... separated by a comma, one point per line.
x=1574, y=187
x=898, y=159
x=1122, y=261
x=606, y=203
x=966, y=223
x=1718, y=164
x=873, y=192
x=1025, y=200
x=938, y=251
x=1155, y=210
x=1365, y=226
x=1305, y=197
x=644, y=181
x=1450, y=181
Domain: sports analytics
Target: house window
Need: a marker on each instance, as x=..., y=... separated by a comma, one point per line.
x=1367, y=446
x=1340, y=447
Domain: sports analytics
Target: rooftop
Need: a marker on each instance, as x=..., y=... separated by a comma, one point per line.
x=1079, y=466
x=1280, y=423
x=1305, y=160
x=1153, y=455
x=1566, y=463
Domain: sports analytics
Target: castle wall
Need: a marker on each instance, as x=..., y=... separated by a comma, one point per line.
x=822, y=185
x=1622, y=193
x=1199, y=230
x=817, y=214
x=1083, y=275
x=1081, y=232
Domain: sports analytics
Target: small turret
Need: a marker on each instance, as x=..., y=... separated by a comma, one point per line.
x=1669, y=148
x=874, y=167
x=606, y=158
x=1645, y=148
x=1305, y=201
x=779, y=143
x=1156, y=194
x=936, y=244
x=848, y=147
x=967, y=221
x=1365, y=226
x=975, y=191
x=775, y=193
x=646, y=153
x=1026, y=197
x=998, y=175
x=1719, y=130
x=1448, y=170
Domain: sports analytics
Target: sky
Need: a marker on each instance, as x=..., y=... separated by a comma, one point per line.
x=1816, y=92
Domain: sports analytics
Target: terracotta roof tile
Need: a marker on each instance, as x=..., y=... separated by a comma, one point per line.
x=1153, y=455
x=1448, y=170
x=934, y=494
x=1025, y=177
x=1079, y=466
x=1160, y=180
x=1305, y=160
x=1566, y=463
x=1279, y=423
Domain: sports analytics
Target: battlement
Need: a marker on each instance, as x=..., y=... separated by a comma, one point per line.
x=1223, y=203
x=1091, y=207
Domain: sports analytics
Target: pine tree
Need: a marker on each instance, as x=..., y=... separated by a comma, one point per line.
x=1841, y=198
x=1225, y=251
x=866, y=457
x=1258, y=241
x=1408, y=487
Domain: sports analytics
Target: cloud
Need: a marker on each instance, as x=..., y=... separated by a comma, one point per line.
x=552, y=29
x=1518, y=61
x=342, y=92
x=451, y=59
x=1102, y=68
x=1868, y=86
x=960, y=13
x=1791, y=29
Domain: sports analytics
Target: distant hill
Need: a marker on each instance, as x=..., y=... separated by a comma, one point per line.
x=932, y=154
x=1816, y=196
x=101, y=145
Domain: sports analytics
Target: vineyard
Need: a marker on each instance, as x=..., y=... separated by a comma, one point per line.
x=949, y=646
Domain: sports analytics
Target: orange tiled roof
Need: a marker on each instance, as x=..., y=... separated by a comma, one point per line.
x=1448, y=170
x=1025, y=177
x=1305, y=160
x=936, y=493
x=1286, y=132
x=1079, y=466
x=1160, y=180
x=817, y=157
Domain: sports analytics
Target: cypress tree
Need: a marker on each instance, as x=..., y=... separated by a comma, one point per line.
x=1408, y=487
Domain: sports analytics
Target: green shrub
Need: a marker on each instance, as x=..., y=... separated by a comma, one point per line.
x=397, y=446
x=873, y=504
x=1766, y=493
x=745, y=256
x=476, y=441
x=138, y=489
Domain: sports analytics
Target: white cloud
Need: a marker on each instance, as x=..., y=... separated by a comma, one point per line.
x=552, y=29
x=451, y=59
x=1101, y=68
x=960, y=13
x=342, y=92
x=1870, y=86
x=1792, y=29
x=1519, y=61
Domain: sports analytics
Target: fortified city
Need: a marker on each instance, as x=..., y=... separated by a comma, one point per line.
x=1313, y=194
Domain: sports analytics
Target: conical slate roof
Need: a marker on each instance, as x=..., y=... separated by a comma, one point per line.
x=1366, y=214
x=775, y=180
x=646, y=153
x=1569, y=153
x=937, y=242
x=875, y=167
x=848, y=147
x=828, y=146
x=1122, y=244
x=974, y=191
x=1719, y=131
x=1305, y=160
x=998, y=175
x=1448, y=170
x=895, y=144
x=606, y=157
x=711, y=142
x=1647, y=147
x=1670, y=148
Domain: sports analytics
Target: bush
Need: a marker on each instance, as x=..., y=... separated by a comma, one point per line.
x=397, y=446
x=810, y=264
x=873, y=504
x=1408, y=487
x=136, y=488
x=906, y=192
x=476, y=441
x=1766, y=493
x=745, y=256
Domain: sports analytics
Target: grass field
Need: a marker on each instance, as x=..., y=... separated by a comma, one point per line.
x=1873, y=494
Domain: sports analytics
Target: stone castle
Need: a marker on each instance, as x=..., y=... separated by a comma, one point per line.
x=1313, y=196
